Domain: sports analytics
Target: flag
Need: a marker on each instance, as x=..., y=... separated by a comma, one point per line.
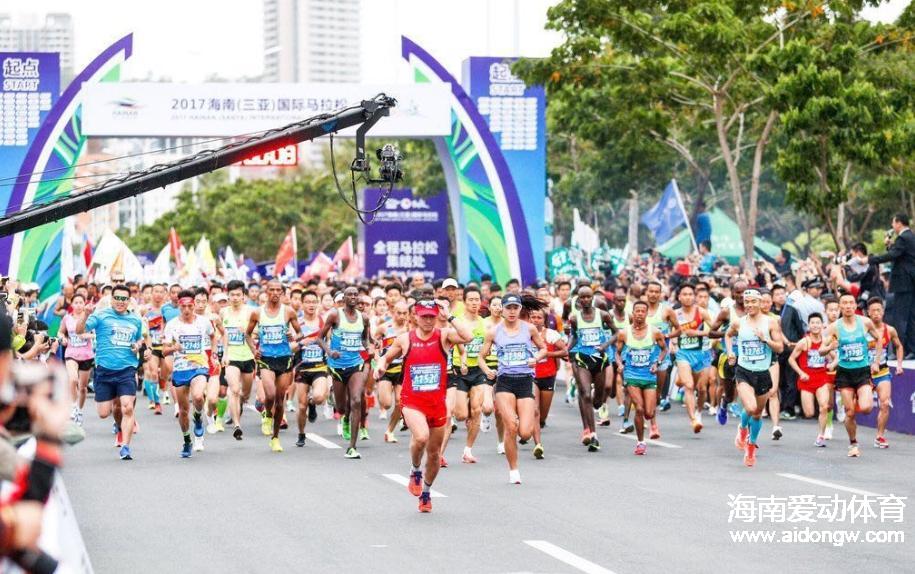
x=319, y=267
x=666, y=215
x=205, y=257
x=231, y=263
x=345, y=251
x=87, y=250
x=286, y=254
x=176, y=248
x=161, y=270
x=584, y=237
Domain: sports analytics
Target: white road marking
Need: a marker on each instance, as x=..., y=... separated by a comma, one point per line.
x=563, y=555
x=403, y=480
x=321, y=441
x=631, y=436
x=827, y=484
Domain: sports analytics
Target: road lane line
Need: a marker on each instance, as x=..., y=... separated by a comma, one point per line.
x=321, y=441
x=403, y=480
x=827, y=484
x=649, y=441
x=563, y=555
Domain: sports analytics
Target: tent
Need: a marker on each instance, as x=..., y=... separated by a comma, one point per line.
x=726, y=242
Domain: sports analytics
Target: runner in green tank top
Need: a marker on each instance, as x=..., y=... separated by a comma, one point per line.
x=238, y=359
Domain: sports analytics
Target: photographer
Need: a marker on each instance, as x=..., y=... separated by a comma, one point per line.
x=858, y=270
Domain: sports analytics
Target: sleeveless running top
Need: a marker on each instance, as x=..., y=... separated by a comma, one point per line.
x=235, y=325
x=391, y=333
x=879, y=349
x=639, y=354
x=589, y=335
x=273, y=333
x=346, y=338
x=79, y=347
x=852, y=345
x=688, y=343
x=753, y=354
x=513, y=351
x=155, y=323
x=813, y=363
x=424, y=373
x=312, y=353
x=472, y=347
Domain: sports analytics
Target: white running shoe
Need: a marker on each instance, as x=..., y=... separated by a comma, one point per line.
x=328, y=411
x=486, y=423
x=382, y=414
x=176, y=410
x=712, y=411
x=827, y=432
x=500, y=448
x=290, y=406
x=198, y=443
x=514, y=476
x=340, y=428
x=211, y=428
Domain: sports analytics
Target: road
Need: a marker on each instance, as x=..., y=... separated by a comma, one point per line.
x=237, y=507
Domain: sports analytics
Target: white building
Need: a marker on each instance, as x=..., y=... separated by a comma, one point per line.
x=28, y=33
x=312, y=41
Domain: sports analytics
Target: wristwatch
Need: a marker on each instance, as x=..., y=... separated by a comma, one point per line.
x=451, y=318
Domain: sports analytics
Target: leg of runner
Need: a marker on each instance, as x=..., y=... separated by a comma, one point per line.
x=269, y=388
x=341, y=404
x=385, y=395
x=395, y=416
x=283, y=382
x=211, y=390
x=475, y=396
x=450, y=400
x=506, y=411
x=182, y=393
x=824, y=400
x=81, y=391
x=198, y=388
x=302, y=390
x=73, y=380
x=686, y=380
x=428, y=441
x=233, y=376
x=774, y=403
x=638, y=399
x=884, y=392
x=356, y=390
x=462, y=411
x=543, y=399
x=751, y=420
x=585, y=404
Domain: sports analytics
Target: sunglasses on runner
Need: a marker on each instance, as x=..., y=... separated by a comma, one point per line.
x=120, y=298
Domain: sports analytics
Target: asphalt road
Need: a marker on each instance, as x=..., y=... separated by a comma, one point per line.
x=237, y=507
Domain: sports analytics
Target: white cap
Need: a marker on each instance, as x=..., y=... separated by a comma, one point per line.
x=220, y=297
x=449, y=282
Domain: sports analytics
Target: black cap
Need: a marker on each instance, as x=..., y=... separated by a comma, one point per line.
x=511, y=299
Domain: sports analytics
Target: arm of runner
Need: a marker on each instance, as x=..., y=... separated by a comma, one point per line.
x=776, y=340
x=560, y=351
x=829, y=340
x=801, y=347
x=620, y=343
x=460, y=332
x=393, y=352
x=900, y=352
x=673, y=322
x=660, y=341
x=484, y=352
x=573, y=331
x=538, y=341
x=329, y=323
x=720, y=320
x=253, y=318
x=83, y=324
x=728, y=336
x=606, y=321
x=877, y=335
x=367, y=334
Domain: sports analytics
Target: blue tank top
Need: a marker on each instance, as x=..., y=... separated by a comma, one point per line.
x=639, y=354
x=346, y=338
x=852, y=345
x=513, y=351
x=272, y=333
x=753, y=354
x=589, y=335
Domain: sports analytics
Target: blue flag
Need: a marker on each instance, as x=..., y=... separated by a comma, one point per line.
x=666, y=216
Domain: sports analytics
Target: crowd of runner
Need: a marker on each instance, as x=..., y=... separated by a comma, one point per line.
x=427, y=357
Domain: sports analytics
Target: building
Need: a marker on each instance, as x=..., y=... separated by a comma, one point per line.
x=28, y=33
x=312, y=41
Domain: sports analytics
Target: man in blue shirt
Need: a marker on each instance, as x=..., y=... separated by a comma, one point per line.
x=707, y=261
x=117, y=337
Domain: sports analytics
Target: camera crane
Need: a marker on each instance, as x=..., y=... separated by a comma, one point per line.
x=365, y=115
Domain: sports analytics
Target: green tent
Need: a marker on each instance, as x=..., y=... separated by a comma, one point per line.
x=726, y=242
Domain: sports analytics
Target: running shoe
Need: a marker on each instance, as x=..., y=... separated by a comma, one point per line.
x=382, y=415
x=627, y=427
x=425, y=502
x=114, y=428
x=603, y=422
x=722, y=413
x=415, y=484
x=211, y=427
x=389, y=437
x=258, y=406
x=79, y=418
x=339, y=428
x=177, y=410
x=301, y=440
x=749, y=456
x=186, y=450
x=788, y=415
x=275, y=445
x=151, y=405
x=712, y=411
x=486, y=423
x=266, y=425
x=351, y=453
x=500, y=448
x=125, y=453
x=468, y=457
x=827, y=432
x=167, y=399
x=198, y=427
x=453, y=425
x=680, y=392
x=514, y=476
x=443, y=463
x=328, y=411
x=522, y=441
x=158, y=409
x=777, y=433
x=237, y=433
x=538, y=451
x=363, y=434
x=220, y=425
x=198, y=443
x=881, y=442
x=621, y=410
x=290, y=406
x=697, y=426
x=585, y=437
x=665, y=404
x=312, y=413
x=840, y=411
x=740, y=441
x=345, y=429
x=655, y=431
x=594, y=444
x=853, y=451
x=118, y=440
x=603, y=412
x=283, y=423
x=820, y=442
x=640, y=448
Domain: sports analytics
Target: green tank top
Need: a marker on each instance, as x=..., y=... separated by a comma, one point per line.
x=852, y=345
x=473, y=346
x=235, y=325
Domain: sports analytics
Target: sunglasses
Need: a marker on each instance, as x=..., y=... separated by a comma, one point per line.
x=120, y=298
x=427, y=304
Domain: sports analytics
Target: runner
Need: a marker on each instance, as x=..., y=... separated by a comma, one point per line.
x=813, y=381
x=587, y=351
x=311, y=374
x=757, y=337
x=155, y=371
x=273, y=321
x=425, y=350
x=640, y=353
x=117, y=337
x=471, y=382
x=879, y=349
x=489, y=403
x=663, y=318
x=215, y=391
x=389, y=386
x=729, y=315
x=238, y=359
x=621, y=320
x=348, y=329
x=513, y=340
x=79, y=356
x=692, y=360
x=545, y=374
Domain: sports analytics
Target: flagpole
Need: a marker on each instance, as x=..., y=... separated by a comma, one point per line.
x=689, y=227
x=295, y=254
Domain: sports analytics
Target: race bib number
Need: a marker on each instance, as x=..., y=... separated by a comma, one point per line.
x=236, y=336
x=350, y=341
x=689, y=343
x=123, y=336
x=590, y=337
x=853, y=352
x=312, y=354
x=78, y=342
x=514, y=355
x=639, y=358
x=425, y=378
x=273, y=334
x=815, y=360
x=191, y=344
x=753, y=350
x=473, y=347
x=156, y=337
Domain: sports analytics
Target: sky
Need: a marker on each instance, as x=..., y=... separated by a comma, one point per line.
x=191, y=40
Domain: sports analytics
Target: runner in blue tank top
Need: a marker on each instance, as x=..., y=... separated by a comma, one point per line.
x=273, y=322
x=692, y=360
x=349, y=344
x=757, y=337
x=848, y=336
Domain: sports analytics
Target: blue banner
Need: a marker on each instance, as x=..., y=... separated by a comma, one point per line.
x=666, y=216
x=409, y=235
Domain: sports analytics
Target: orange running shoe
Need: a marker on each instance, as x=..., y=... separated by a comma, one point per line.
x=749, y=457
x=415, y=485
x=740, y=441
x=425, y=502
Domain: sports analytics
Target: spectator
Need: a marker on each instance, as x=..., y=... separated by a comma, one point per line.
x=901, y=253
x=707, y=262
x=783, y=262
x=867, y=275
